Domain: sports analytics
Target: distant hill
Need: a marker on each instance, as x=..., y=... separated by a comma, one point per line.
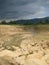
x=29, y=21
x=34, y=21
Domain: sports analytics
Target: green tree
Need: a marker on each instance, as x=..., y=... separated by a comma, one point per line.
x=3, y=22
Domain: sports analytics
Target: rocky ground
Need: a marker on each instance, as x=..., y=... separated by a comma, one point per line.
x=21, y=45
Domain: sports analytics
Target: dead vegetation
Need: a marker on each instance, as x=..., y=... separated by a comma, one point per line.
x=24, y=44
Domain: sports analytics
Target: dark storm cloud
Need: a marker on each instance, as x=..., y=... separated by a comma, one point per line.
x=23, y=8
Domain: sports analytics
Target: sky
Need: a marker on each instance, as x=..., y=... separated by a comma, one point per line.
x=23, y=9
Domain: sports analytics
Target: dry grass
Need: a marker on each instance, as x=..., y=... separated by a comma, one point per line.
x=13, y=35
x=24, y=41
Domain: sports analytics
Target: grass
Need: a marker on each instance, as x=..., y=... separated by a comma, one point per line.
x=13, y=35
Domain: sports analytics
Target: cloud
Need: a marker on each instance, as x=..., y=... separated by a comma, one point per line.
x=23, y=9
x=39, y=13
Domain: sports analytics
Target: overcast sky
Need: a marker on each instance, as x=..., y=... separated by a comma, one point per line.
x=23, y=9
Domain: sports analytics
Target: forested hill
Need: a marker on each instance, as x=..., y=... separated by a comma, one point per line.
x=28, y=21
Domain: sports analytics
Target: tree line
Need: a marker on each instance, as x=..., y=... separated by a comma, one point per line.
x=25, y=22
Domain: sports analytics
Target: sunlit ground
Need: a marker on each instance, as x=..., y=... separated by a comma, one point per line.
x=18, y=43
